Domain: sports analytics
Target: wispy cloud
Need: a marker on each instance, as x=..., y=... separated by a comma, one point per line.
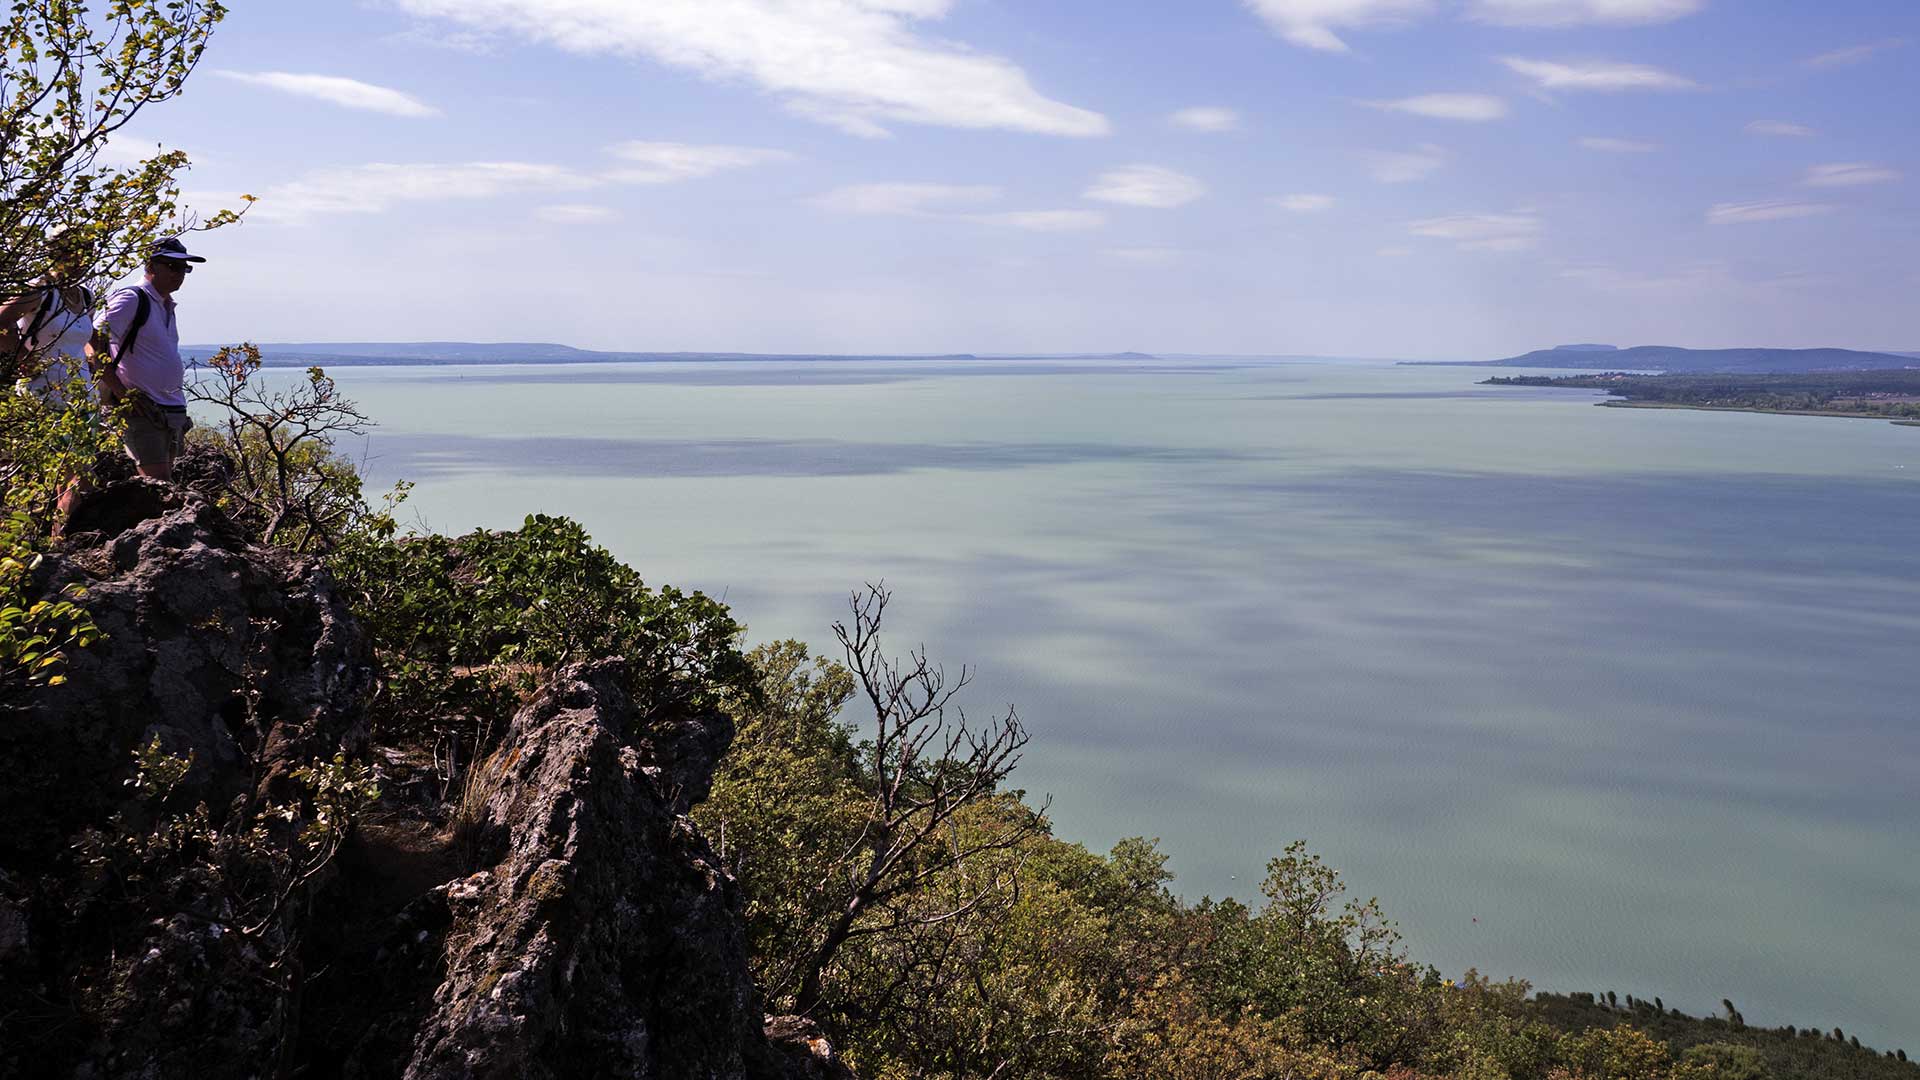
x=1478, y=108
x=1304, y=204
x=379, y=186
x=1599, y=75
x=1405, y=167
x=1482, y=232
x=905, y=200
x=1143, y=256
x=1849, y=174
x=1608, y=145
x=373, y=188
x=665, y=163
x=1146, y=185
x=1781, y=128
x=1311, y=24
x=1858, y=54
x=470, y=42
x=575, y=214
x=1754, y=212
x=1046, y=220
x=953, y=202
x=336, y=90
x=1582, y=12
x=1206, y=119
x=856, y=64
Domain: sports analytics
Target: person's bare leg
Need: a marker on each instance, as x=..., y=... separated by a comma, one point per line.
x=63, y=506
x=158, y=471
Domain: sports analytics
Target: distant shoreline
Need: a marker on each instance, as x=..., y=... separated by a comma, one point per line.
x=1752, y=409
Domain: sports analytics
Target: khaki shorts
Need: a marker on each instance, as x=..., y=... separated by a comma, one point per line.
x=155, y=435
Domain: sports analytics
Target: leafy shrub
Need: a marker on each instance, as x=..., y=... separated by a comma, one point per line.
x=464, y=625
x=44, y=448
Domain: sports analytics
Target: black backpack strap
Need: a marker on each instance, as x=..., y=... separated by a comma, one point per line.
x=48, y=304
x=140, y=317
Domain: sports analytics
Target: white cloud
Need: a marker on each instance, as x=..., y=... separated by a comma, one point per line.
x=1749, y=213
x=1143, y=256
x=856, y=64
x=575, y=214
x=1046, y=220
x=665, y=163
x=1849, y=174
x=904, y=200
x=1208, y=119
x=1310, y=24
x=1405, y=167
x=371, y=189
x=948, y=201
x=377, y=187
x=1609, y=145
x=1582, y=12
x=1482, y=232
x=1781, y=128
x=1146, y=185
x=335, y=90
x=1858, y=54
x=1602, y=75
x=472, y=43
x=1472, y=107
x=1304, y=204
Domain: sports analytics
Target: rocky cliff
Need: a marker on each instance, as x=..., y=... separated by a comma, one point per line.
x=200, y=911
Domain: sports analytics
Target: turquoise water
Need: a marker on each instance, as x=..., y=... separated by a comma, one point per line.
x=1606, y=699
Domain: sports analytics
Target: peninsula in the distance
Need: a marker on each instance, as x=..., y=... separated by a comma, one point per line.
x=1675, y=360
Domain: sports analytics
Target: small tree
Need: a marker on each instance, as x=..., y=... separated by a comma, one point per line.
x=928, y=768
x=283, y=477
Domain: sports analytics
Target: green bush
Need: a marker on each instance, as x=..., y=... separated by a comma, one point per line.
x=464, y=625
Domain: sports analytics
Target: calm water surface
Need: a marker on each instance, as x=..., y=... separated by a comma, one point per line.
x=1606, y=699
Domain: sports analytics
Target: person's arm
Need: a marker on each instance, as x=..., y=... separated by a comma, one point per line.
x=106, y=373
x=114, y=320
x=15, y=308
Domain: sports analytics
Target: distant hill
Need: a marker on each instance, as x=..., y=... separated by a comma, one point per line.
x=1586, y=348
x=1705, y=361
x=411, y=353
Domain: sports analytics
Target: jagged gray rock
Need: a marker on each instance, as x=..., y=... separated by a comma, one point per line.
x=240, y=655
x=602, y=939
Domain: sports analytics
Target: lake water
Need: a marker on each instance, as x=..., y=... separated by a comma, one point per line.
x=1603, y=698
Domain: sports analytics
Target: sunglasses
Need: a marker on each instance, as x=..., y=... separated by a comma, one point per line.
x=185, y=268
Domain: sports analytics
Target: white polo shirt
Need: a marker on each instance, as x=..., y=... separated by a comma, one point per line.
x=153, y=364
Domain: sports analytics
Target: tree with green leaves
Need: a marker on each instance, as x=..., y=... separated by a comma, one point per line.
x=72, y=76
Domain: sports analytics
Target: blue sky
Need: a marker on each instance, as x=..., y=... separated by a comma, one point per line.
x=1405, y=178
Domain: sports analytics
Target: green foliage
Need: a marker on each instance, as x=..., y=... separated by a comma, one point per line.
x=1334, y=965
x=1787, y=1052
x=1728, y=1061
x=239, y=866
x=464, y=625
x=42, y=449
x=788, y=794
x=35, y=634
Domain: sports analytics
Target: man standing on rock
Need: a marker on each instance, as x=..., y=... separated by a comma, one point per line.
x=136, y=351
